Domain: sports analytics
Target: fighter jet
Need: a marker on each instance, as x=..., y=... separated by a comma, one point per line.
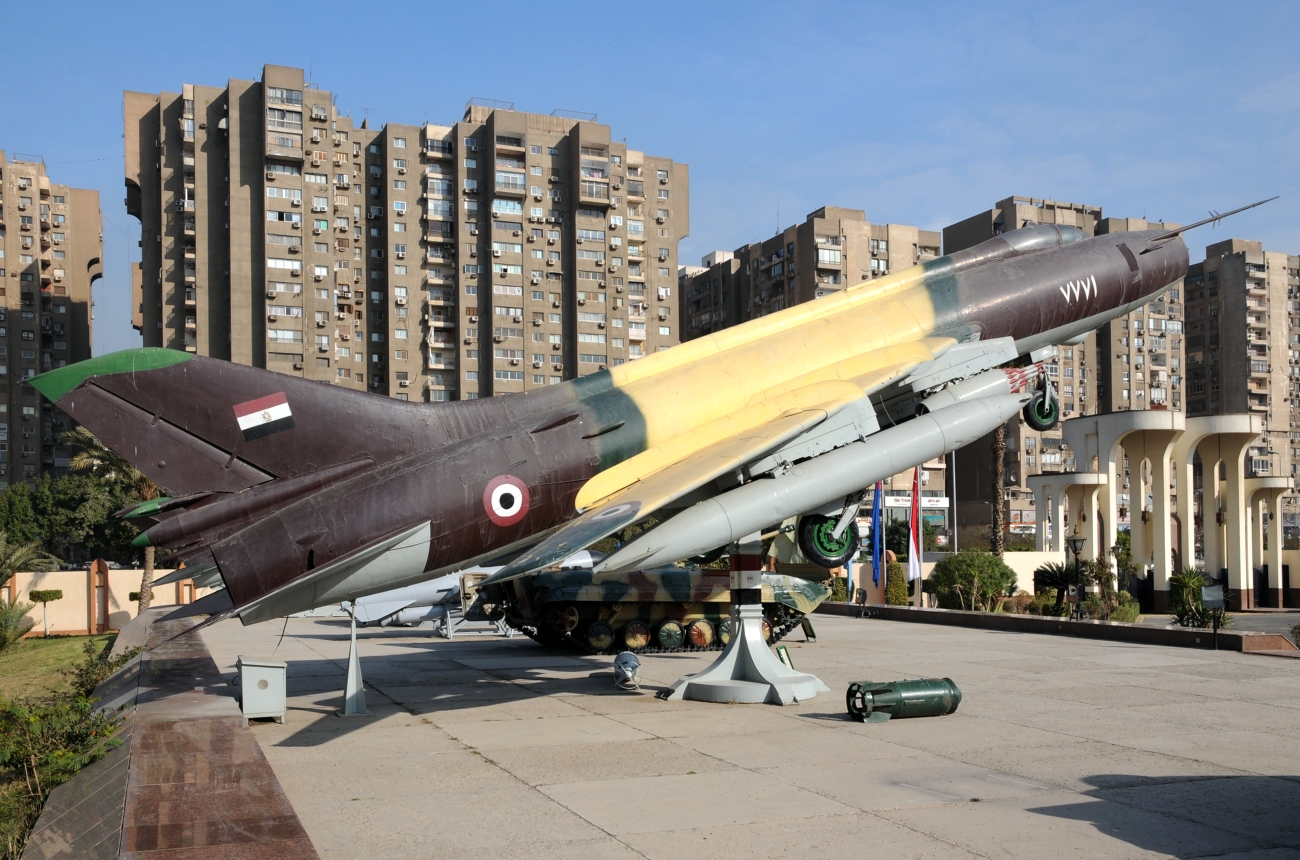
x=297, y=494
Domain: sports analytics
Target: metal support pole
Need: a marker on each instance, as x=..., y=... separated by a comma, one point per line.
x=354, y=693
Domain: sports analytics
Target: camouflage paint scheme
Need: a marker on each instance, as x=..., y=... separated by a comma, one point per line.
x=562, y=605
x=365, y=493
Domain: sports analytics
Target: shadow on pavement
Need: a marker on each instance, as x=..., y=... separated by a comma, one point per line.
x=1192, y=816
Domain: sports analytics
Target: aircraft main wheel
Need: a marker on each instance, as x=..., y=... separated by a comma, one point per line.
x=725, y=631
x=700, y=633
x=1039, y=415
x=600, y=636
x=767, y=630
x=635, y=636
x=819, y=544
x=669, y=634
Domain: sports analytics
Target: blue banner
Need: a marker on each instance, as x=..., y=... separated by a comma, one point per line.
x=877, y=539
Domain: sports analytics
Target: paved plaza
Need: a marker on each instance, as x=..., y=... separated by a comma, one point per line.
x=1061, y=748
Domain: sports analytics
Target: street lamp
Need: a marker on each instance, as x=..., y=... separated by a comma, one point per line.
x=1076, y=547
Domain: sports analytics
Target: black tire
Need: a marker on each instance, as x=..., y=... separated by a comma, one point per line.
x=1037, y=414
x=818, y=545
x=710, y=556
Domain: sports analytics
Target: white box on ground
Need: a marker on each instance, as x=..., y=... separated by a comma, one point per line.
x=261, y=687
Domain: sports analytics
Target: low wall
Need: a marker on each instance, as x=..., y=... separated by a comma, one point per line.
x=94, y=601
x=1146, y=634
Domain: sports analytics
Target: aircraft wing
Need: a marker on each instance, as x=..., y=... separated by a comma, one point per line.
x=654, y=478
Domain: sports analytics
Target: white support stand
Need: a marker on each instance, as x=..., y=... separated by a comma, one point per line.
x=354, y=694
x=747, y=672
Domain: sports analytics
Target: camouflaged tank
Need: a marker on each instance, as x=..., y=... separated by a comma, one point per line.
x=664, y=609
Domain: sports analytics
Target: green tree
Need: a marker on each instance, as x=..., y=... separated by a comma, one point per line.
x=971, y=579
x=94, y=457
x=898, y=533
x=23, y=555
x=897, y=588
x=44, y=597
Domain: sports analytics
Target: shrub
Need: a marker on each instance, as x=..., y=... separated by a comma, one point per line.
x=898, y=590
x=971, y=579
x=1295, y=633
x=45, y=741
x=14, y=622
x=1185, y=601
x=839, y=589
x=1127, y=611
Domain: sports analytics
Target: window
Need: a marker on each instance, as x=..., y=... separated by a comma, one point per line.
x=280, y=118
x=399, y=207
x=284, y=193
x=398, y=184
x=587, y=358
x=278, y=335
x=276, y=263
x=829, y=255
x=279, y=96
x=665, y=330
x=507, y=207
x=508, y=375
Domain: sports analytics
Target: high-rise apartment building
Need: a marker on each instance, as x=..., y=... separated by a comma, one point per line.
x=1243, y=352
x=831, y=249
x=497, y=254
x=51, y=251
x=1134, y=362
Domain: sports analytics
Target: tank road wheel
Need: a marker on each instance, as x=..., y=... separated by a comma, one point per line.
x=819, y=544
x=669, y=635
x=563, y=619
x=767, y=630
x=635, y=635
x=1039, y=415
x=700, y=633
x=600, y=636
x=726, y=628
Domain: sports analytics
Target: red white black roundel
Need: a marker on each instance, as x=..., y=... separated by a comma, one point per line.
x=506, y=500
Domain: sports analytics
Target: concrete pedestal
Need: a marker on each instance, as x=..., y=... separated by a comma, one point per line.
x=748, y=672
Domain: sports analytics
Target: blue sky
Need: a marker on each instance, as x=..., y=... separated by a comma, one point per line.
x=919, y=113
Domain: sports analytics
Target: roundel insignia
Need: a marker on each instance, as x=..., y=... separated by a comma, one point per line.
x=617, y=511
x=505, y=500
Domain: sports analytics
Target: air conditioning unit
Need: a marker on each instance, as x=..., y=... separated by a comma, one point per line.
x=400, y=302
x=557, y=346
x=315, y=163
x=401, y=255
x=270, y=174
x=552, y=241
x=532, y=238
x=519, y=319
x=342, y=315
x=404, y=383
x=297, y=201
x=270, y=294
x=315, y=138
x=514, y=362
x=617, y=186
x=663, y=180
x=473, y=319
x=537, y=197
x=473, y=252
x=297, y=365
x=315, y=231
x=516, y=233
x=401, y=170
x=582, y=301
x=497, y=338
x=600, y=325
x=555, y=304
x=319, y=209
x=537, y=364
x=535, y=281
x=324, y=347
x=660, y=219
x=550, y=221
x=271, y=317
x=537, y=321
x=295, y=249
x=618, y=289
x=550, y=262
x=552, y=179
x=613, y=268
x=473, y=231
x=319, y=277
x=469, y=340
x=496, y=252
x=345, y=337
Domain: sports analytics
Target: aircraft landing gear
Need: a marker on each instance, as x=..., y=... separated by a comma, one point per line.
x=818, y=543
x=1043, y=412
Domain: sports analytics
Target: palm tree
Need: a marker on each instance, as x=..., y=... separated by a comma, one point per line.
x=1054, y=574
x=23, y=556
x=96, y=458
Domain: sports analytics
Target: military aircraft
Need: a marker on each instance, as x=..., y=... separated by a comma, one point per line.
x=297, y=494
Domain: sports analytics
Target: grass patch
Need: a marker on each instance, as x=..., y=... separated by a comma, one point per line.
x=34, y=667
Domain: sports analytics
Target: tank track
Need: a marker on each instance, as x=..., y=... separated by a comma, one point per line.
x=569, y=641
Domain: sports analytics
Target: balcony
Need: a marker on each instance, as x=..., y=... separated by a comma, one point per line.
x=595, y=193
x=512, y=188
x=439, y=149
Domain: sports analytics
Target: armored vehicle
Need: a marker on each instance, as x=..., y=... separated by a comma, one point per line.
x=663, y=609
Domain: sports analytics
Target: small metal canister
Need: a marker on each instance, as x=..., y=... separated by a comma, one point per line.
x=875, y=701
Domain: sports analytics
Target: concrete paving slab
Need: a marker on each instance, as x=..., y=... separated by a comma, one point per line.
x=623, y=806
x=1074, y=747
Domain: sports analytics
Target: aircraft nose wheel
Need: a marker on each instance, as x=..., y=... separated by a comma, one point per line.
x=1042, y=414
x=819, y=545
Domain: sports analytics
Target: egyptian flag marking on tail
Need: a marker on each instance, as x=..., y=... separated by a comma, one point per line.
x=264, y=416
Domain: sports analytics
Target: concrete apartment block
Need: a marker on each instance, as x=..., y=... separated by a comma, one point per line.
x=51, y=252
x=1243, y=352
x=497, y=254
x=1132, y=363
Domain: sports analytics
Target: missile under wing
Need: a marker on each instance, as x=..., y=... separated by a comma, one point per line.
x=300, y=494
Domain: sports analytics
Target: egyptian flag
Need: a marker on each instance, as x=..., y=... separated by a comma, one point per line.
x=264, y=416
x=914, y=541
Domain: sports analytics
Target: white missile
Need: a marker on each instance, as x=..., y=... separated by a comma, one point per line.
x=815, y=483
